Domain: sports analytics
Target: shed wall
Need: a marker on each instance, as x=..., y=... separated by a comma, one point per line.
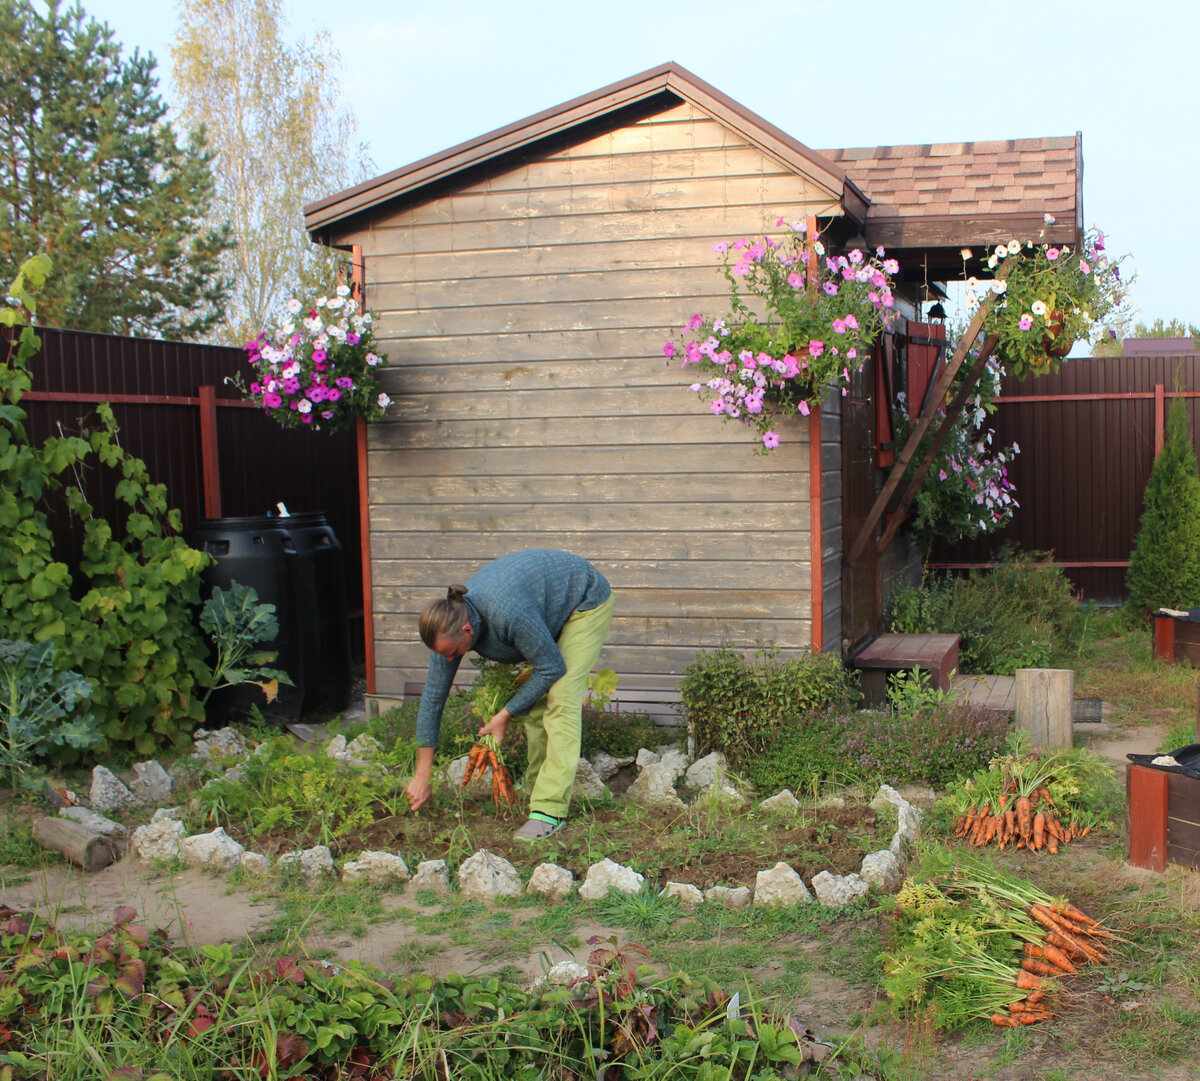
x=524, y=315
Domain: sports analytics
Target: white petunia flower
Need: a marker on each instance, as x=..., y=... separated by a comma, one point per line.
x=1038, y=307
x=384, y=400
x=343, y=290
x=304, y=406
x=293, y=306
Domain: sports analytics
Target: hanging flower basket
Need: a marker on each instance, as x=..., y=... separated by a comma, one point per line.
x=800, y=320
x=320, y=370
x=1054, y=341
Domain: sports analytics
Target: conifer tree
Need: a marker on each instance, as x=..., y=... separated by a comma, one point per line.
x=1164, y=567
x=92, y=173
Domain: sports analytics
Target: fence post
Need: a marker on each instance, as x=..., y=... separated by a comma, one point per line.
x=1045, y=705
x=210, y=461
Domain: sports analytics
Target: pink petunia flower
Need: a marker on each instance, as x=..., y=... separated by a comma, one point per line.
x=803, y=408
x=770, y=440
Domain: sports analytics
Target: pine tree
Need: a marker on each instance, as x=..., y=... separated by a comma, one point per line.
x=281, y=139
x=91, y=172
x=1164, y=568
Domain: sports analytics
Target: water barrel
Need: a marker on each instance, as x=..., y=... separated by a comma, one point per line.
x=258, y=552
x=320, y=589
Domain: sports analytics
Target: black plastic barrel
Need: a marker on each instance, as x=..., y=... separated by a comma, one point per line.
x=320, y=584
x=259, y=552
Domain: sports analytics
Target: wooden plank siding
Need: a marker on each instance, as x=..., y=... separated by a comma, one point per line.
x=524, y=313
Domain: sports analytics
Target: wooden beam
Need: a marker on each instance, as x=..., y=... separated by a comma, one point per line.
x=906, y=455
x=817, y=554
x=210, y=462
x=1147, y=789
x=358, y=290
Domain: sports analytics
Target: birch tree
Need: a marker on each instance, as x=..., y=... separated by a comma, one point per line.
x=270, y=110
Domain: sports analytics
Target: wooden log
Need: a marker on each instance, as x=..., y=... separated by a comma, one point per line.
x=1045, y=703
x=1146, y=791
x=79, y=844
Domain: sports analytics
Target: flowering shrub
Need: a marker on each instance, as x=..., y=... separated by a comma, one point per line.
x=808, y=323
x=1051, y=298
x=320, y=371
x=966, y=492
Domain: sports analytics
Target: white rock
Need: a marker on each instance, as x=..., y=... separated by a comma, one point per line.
x=837, y=890
x=313, y=863
x=486, y=876
x=167, y=812
x=882, y=869
x=607, y=766
x=780, y=887
x=222, y=744
x=654, y=789
x=588, y=784
x=781, y=803
x=887, y=797
x=106, y=827
x=151, y=783
x=108, y=791
x=729, y=896
x=918, y=794
x=647, y=757
x=566, y=973
x=551, y=882
x=704, y=771
x=685, y=893
x=361, y=751
x=675, y=760
x=254, y=864
x=380, y=868
x=432, y=876
x=216, y=850
x=608, y=875
x=161, y=840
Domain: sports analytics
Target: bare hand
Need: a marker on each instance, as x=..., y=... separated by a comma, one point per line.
x=419, y=790
x=497, y=726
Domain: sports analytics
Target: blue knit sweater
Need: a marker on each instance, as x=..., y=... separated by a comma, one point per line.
x=517, y=605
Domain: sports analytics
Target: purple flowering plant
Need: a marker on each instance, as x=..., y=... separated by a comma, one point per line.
x=967, y=491
x=319, y=370
x=800, y=319
x=1052, y=297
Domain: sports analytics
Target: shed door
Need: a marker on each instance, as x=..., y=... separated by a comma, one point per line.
x=862, y=585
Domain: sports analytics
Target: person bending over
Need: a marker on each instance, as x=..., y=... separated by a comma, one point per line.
x=550, y=609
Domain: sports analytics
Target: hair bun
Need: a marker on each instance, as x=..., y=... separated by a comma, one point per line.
x=456, y=593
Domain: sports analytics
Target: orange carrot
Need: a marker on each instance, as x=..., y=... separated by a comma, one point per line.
x=1024, y=811
x=1049, y=952
x=1010, y=824
x=1004, y=1020
x=1044, y=793
x=989, y=831
x=1027, y=981
x=1067, y=909
x=1033, y=1017
x=1052, y=845
x=1038, y=967
x=1035, y=996
x=1039, y=830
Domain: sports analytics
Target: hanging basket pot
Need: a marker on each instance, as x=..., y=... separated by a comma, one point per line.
x=1054, y=341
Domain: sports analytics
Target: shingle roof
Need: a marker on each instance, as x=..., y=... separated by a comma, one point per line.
x=943, y=193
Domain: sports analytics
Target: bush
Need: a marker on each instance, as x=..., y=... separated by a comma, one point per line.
x=935, y=746
x=738, y=706
x=1008, y=615
x=1164, y=567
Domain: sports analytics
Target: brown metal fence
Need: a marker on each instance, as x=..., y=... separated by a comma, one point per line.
x=1088, y=435
x=174, y=409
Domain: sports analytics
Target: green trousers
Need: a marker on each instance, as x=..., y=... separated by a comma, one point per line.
x=554, y=726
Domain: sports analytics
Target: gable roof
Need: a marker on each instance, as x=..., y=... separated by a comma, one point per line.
x=655, y=90
x=958, y=194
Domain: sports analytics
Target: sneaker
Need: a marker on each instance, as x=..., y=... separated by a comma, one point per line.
x=538, y=829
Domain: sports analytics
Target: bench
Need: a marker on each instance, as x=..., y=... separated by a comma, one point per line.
x=934, y=654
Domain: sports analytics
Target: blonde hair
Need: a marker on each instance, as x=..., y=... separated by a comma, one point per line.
x=444, y=618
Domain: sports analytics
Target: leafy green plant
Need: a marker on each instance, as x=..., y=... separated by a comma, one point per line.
x=36, y=707
x=124, y=617
x=738, y=706
x=236, y=623
x=1164, y=566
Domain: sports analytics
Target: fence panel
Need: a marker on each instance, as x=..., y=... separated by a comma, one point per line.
x=1087, y=436
x=154, y=390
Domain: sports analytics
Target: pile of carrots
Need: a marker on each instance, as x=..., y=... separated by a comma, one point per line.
x=1069, y=939
x=483, y=756
x=1024, y=824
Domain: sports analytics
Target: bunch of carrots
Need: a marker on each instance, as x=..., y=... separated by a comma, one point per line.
x=483, y=756
x=1024, y=824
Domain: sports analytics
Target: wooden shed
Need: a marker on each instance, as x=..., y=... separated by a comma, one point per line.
x=524, y=283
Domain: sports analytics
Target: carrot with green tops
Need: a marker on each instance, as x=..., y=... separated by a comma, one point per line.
x=1024, y=809
x=1038, y=967
x=1050, y=953
x=1039, y=830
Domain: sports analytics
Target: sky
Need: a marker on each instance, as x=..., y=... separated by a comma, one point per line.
x=420, y=77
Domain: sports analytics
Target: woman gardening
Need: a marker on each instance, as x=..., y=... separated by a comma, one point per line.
x=550, y=609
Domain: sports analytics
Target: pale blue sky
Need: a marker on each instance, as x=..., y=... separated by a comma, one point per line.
x=421, y=77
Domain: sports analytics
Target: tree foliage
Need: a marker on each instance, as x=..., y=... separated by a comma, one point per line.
x=1164, y=568
x=91, y=172
x=281, y=140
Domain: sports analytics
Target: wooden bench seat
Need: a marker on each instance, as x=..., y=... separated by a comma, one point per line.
x=935, y=654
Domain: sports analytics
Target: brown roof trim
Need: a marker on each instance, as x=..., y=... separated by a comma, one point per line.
x=669, y=78
x=965, y=230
